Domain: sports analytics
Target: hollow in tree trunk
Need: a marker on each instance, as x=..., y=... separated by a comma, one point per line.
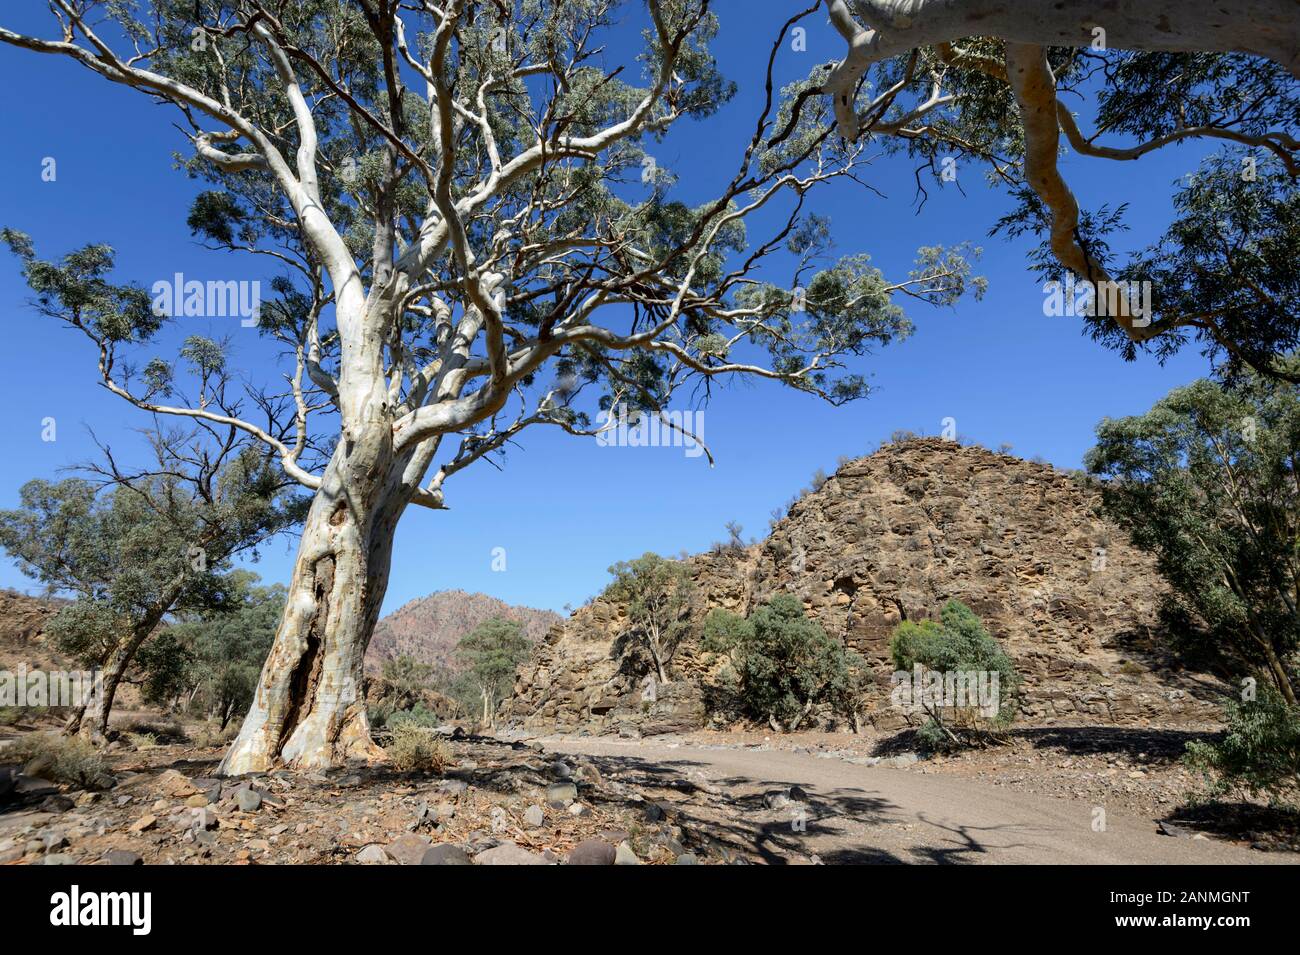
x=309, y=710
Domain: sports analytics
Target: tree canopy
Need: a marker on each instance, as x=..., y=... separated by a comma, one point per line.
x=492, y=652
x=1207, y=481
x=136, y=547
x=1005, y=86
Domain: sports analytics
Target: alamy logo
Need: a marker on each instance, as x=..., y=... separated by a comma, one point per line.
x=1075, y=298
x=178, y=298
x=75, y=907
x=48, y=688
x=924, y=689
x=664, y=429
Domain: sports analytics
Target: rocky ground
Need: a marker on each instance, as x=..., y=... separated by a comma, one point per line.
x=547, y=801
x=819, y=801
x=500, y=803
x=1135, y=770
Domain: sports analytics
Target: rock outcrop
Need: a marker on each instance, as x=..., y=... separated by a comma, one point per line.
x=23, y=618
x=894, y=535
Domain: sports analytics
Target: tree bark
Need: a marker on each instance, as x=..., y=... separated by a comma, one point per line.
x=90, y=721
x=657, y=656
x=309, y=708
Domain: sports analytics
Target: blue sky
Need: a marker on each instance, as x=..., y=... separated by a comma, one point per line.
x=564, y=509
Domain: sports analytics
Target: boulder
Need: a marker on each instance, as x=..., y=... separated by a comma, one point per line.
x=508, y=854
x=408, y=849
x=592, y=852
x=445, y=853
x=373, y=854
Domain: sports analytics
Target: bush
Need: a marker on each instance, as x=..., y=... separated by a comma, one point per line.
x=784, y=662
x=209, y=734
x=418, y=715
x=957, y=643
x=61, y=759
x=416, y=748
x=156, y=731
x=1259, y=752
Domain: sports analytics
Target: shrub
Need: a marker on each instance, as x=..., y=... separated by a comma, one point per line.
x=61, y=759
x=1259, y=752
x=957, y=643
x=784, y=662
x=156, y=732
x=415, y=748
x=209, y=734
x=418, y=715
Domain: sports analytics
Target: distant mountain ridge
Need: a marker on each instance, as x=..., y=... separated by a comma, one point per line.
x=428, y=628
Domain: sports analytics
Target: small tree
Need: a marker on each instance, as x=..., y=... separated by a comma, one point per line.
x=135, y=548
x=222, y=650
x=658, y=595
x=962, y=658
x=1206, y=481
x=492, y=652
x=785, y=663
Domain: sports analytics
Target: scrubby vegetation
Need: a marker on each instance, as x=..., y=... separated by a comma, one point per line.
x=404, y=693
x=417, y=748
x=70, y=760
x=1259, y=754
x=783, y=664
x=945, y=660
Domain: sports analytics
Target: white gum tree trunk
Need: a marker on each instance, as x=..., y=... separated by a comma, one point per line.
x=309, y=708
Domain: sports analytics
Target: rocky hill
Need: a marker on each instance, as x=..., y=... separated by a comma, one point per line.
x=429, y=628
x=894, y=535
x=23, y=641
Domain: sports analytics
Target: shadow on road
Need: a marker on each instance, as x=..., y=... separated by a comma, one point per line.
x=749, y=815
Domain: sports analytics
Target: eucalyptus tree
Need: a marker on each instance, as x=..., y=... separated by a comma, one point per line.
x=1208, y=481
x=135, y=548
x=1005, y=85
x=658, y=595
x=212, y=657
x=491, y=653
x=473, y=239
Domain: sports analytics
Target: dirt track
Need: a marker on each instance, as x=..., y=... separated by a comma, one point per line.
x=874, y=814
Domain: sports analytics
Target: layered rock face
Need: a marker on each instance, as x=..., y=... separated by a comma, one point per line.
x=23, y=618
x=891, y=536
